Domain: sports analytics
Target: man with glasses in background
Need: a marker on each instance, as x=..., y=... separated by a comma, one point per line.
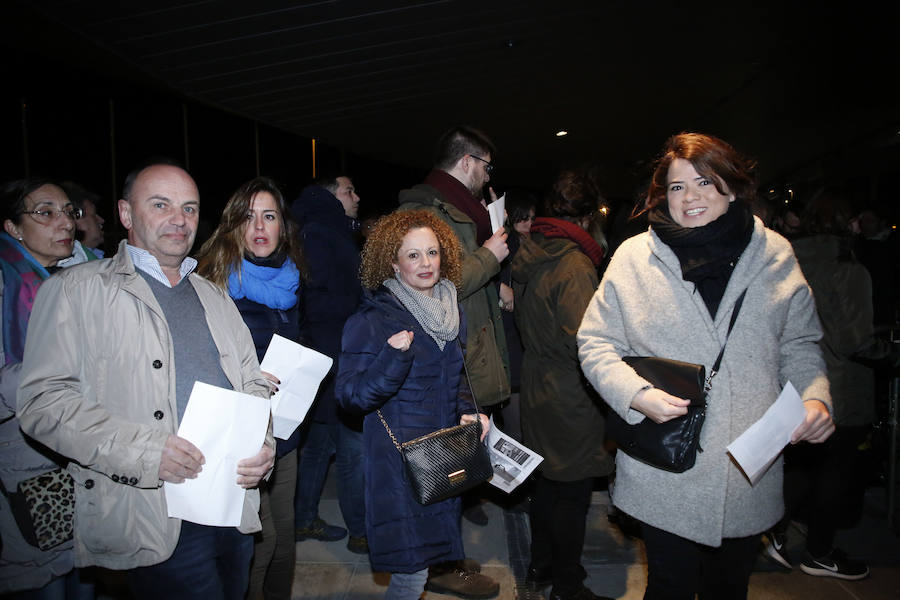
x=453, y=191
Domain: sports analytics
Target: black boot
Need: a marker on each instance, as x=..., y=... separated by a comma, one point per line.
x=579, y=593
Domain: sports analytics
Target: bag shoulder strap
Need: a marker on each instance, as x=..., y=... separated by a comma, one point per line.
x=390, y=433
x=471, y=390
x=715, y=369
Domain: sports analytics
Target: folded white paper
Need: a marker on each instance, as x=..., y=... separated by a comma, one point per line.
x=512, y=461
x=300, y=371
x=226, y=426
x=757, y=448
x=497, y=210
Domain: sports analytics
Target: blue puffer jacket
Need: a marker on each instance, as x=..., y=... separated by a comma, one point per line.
x=417, y=392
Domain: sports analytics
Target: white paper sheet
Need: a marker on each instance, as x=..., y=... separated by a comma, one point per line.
x=497, y=211
x=757, y=448
x=512, y=461
x=300, y=371
x=226, y=426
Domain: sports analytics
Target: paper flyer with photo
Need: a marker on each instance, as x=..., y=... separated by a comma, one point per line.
x=512, y=461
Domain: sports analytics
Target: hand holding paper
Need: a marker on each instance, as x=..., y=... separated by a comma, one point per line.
x=757, y=448
x=817, y=426
x=497, y=211
x=299, y=371
x=180, y=460
x=226, y=427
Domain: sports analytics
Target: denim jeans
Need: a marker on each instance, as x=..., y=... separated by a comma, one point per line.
x=324, y=440
x=71, y=586
x=208, y=562
x=406, y=586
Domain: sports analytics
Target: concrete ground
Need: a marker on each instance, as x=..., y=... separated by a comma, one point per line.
x=616, y=565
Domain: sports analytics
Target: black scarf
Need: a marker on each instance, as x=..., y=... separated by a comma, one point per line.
x=707, y=254
x=274, y=260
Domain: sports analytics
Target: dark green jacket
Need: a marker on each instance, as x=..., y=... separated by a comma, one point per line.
x=553, y=282
x=842, y=289
x=486, y=355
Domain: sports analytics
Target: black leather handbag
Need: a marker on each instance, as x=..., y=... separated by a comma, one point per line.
x=446, y=462
x=673, y=445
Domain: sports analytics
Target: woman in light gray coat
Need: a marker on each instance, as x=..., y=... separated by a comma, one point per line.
x=670, y=293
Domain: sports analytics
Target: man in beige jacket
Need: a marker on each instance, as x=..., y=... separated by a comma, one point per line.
x=113, y=349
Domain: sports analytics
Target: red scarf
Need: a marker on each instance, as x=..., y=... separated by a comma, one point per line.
x=559, y=228
x=459, y=196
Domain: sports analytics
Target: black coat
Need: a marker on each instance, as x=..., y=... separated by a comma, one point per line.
x=332, y=290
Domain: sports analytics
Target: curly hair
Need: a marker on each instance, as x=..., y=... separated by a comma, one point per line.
x=223, y=251
x=380, y=252
x=712, y=158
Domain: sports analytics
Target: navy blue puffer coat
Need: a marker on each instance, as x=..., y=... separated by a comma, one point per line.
x=417, y=392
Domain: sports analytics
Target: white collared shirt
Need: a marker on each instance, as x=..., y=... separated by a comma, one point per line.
x=148, y=263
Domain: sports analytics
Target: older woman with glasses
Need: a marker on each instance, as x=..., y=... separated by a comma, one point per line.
x=38, y=232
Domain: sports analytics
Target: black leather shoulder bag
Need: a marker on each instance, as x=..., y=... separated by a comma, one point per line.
x=446, y=462
x=673, y=445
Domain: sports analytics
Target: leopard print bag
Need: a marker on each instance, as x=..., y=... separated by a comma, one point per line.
x=44, y=508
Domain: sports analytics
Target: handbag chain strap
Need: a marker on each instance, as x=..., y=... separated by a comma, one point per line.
x=715, y=369
x=471, y=390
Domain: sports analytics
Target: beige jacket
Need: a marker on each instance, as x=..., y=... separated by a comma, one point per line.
x=98, y=386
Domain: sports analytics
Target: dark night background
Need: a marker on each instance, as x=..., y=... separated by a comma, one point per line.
x=92, y=88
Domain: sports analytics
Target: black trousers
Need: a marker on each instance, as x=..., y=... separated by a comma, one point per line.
x=558, y=511
x=823, y=483
x=678, y=568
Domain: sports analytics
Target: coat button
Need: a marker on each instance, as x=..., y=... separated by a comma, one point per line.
x=158, y=415
x=88, y=484
x=157, y=364
x=114, y=478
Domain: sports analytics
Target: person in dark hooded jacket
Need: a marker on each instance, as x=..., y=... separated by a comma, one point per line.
x=555, y=275
x=326, y=212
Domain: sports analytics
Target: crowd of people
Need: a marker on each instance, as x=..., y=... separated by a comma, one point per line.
x=432, y=318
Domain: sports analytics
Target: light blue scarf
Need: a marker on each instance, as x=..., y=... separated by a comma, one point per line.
x=275, y=287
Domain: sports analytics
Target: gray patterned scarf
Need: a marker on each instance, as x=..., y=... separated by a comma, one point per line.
x=438, y=315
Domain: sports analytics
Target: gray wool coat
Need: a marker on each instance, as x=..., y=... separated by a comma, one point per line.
x=643, y=307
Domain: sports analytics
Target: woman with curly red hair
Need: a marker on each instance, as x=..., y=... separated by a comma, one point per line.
x=400, y=357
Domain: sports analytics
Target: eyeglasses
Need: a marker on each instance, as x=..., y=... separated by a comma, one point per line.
x=46, y=215
x=488, y=167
